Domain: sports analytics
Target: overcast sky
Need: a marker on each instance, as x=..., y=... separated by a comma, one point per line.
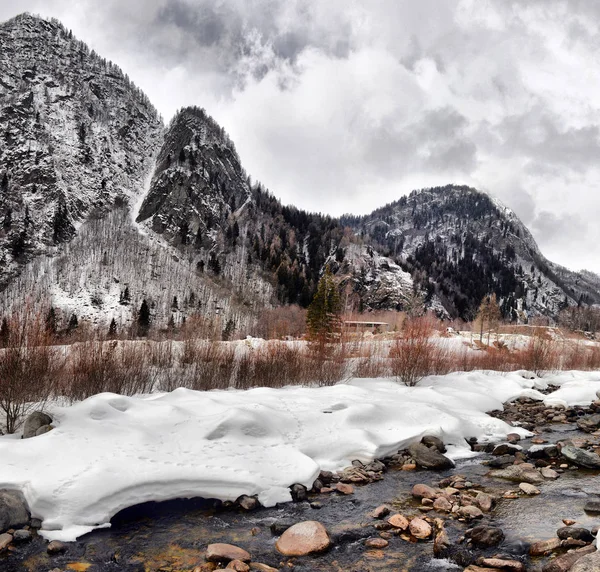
x=343, y=105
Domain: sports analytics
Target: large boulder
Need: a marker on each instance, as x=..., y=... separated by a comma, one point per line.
x=567, y=561
x=33, y=422
x=304, y=538
x=587, y=563
x=14, y=512
x=580, y=457
x=485, y=536
x=220, y=552
x=429, y=458
x=576, y=532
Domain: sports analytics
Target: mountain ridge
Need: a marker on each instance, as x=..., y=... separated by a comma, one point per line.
x=81, y=142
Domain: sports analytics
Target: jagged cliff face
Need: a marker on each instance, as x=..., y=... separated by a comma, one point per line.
x=460, y=244
x=76, y=138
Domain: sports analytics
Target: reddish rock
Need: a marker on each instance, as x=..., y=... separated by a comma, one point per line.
x=420, y=528
x=238, y=565
x=344, y=488
x=376, y=543
x=225, y=552
x=304, y=538
x=544, y=547
x=398, y=521
x=424, y=492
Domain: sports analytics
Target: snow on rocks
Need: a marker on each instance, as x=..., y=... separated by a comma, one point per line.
x=110, y=452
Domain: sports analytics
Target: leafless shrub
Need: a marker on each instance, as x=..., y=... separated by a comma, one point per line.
x=210, y=365
x=412, y=354
x=29, y=369
x=542, y=353
x=371, y=363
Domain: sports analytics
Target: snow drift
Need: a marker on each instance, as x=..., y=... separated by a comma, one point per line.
x=110, y=452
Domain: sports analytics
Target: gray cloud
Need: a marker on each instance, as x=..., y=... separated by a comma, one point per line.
x=343, y=105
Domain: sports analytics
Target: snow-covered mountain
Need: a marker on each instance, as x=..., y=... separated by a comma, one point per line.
x=97, y=197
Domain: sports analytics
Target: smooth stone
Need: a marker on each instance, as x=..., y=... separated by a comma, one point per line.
x=519, y=474
x=576, y=532
x=567, y=561
x=435, y=442
x=544, y=547
x=380, y=512
x=442, y=504
x=33, y=422
x=304, y=538
x=485, y=536
x=502, y=564
x=377, y=543
x=21, y=536
x=529, y=489
x=260, y=567
x=588, y=563
x=592, y=506
x=56, y=547
x=238, y=565
x=580, y=457
x=549, y=473
x=420, y=528
x=248, y=503
x=470, y=512
x=5, y=540
x=220, y=552
x=398, y=521
x=299, y=493
x=429, y=458
x=484, y=501
x=344, y=488
x=424, y=491
x=14, y=512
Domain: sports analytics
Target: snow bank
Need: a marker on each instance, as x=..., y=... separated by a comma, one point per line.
x=575, y=388
x=110, y=452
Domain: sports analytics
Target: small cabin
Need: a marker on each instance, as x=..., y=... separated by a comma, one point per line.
x=366, y=326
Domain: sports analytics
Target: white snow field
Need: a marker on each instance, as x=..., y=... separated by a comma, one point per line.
x=110, y=452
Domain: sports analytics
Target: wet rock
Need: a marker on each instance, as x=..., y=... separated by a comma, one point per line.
x=220, y=552
x=22, y=536
x=280, y=526
x=502, y=564
x=434, y=442
x=549, y=473
x=592, y=506
x=567, y=561
x=501, y=461
x=519, y=474
x=380, y=512
x=344, y=489
x=544, y=547
x=505, y=449
x=33, y=422
x=441, y=541
x=56, y=547
x=580, y=457
x=299, y=493
x=304, y=538
x=485, y=536
x=248, y=503
x=587, y=563
x=13, y=510
x=589, y=423
x=529, y=489
x=484, y=501
x=470, y=512
x=259, y=567
x=5, y=540
x=398, y=521
x=442, y=504
x=543, y=452
x=377, y=543
x=421, y=491
x=326, y=477
x=420, y=528
x=238, y=565
x=513, y=438
x=576, y=532
x=429, y=458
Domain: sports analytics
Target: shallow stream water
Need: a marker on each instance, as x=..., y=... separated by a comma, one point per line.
x=172, y=536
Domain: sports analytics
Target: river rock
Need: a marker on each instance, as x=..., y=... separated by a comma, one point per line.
x=567, y=561
x=220, y=552
x=304, y=538
x=502, y=564
x=441, y=541
x=377, y=543
x=5, y=540
x=238, y=565
x=592, y=506
x=442, y=504
x=14, y=512
x=484, y=501
x=259, y=567
x=587, y=563
x=56, y=547
x=344, y=488
x=589, y=423
x=576, y=532
x=398, y=521
x=543, y=452
x=421, y=491
x=519, y=474
x=529, y=489
x=420, y=528
x=21, y=536
x=501, y=461
x=549, y=473
x=434, y=442
x=580, y=457
x=299, y=493
x=470, y=512
x=485, y=536
x=248, y=503
x=380, y=512
x=544, y=547
x=505, y=449
x=33, y=422
x=429, y=458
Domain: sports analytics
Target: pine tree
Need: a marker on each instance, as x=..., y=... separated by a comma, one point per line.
x=323, y=315
x=143, y=319
x=175, y=304
x=73, y=324
x=125, y=297
x=112, y=329
x=51, y=327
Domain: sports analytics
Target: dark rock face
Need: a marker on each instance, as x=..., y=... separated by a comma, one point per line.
x=429, y=458
x=14, y=512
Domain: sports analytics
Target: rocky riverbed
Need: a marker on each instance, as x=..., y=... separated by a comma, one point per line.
x=520, y=505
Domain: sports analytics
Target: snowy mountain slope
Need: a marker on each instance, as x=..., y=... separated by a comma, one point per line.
x=460, y=244
x=81, y=143
x=78, y=137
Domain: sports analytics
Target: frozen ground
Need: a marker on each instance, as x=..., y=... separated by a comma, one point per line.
x=109, y=451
